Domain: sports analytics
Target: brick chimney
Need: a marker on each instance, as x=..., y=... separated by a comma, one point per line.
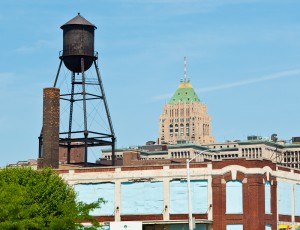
x=51, y=127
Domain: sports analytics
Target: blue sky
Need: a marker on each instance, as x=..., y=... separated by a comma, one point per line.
x=243, y=60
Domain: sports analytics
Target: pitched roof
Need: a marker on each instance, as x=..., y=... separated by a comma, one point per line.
x=184, y=93
x=78, y=20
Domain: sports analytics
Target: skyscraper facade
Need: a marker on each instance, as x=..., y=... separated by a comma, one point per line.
x=185, y=118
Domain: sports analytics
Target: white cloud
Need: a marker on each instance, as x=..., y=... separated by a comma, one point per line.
x=270, y=77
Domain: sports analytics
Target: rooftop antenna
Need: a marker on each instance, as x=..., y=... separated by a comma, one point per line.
x=184, y=68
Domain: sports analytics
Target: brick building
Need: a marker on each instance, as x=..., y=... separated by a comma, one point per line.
x=235, y=185
x=230, y=194
x=255, y=147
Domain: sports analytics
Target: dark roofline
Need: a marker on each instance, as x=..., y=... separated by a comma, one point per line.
x=178, y=146
x=154, y=153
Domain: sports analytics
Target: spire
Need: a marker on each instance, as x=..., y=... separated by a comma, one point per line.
x=185, y=92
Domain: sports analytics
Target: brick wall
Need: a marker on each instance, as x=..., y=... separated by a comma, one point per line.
x=253, y=216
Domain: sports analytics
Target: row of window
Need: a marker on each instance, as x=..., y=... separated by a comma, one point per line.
x=153, y=158
x=109, y=157
x=146, y=197
x=177, y=112
x=292, y=165
x=183, y=154
x=291, y=153
x=291, y=159
x=222, y=156
x=221, y=146
x=251, y=150
x=181, y=119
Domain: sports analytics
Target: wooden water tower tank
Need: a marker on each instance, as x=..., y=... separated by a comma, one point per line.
x=78, y=42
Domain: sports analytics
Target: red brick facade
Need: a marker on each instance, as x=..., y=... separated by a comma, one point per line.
x=252, y=173
x=253, y=216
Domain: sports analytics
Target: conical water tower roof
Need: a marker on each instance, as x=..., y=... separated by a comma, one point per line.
x=78, y=20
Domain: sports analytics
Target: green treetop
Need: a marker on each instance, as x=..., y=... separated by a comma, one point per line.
x=31, y=199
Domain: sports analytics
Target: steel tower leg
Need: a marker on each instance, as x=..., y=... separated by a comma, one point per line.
x=107, y=112
x=71, y=118
x=84, y=114
x=57, y=73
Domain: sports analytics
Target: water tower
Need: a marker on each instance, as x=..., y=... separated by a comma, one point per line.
x=78, y=56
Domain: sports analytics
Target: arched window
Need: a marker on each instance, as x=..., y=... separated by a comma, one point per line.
x=176, y=129
x=234, y=196
x=171, y=129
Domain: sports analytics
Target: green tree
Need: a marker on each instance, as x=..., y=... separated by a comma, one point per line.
x=41, y=199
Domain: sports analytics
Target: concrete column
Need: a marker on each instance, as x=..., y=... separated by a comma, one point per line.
x=118, y=201
x=210, y=198
x=51, y=127
x=293, y=206
x=166, y=181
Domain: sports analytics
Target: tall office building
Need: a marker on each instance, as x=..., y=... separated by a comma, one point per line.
x=185, y=118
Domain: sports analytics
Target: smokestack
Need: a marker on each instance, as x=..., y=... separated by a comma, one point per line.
x=51, y=127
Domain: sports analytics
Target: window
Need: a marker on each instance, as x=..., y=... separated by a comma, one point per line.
x=176, y=128
x=187, y=126
x=234, y=227
x=284, y=196
x=171, y=129
x=181, y=129
x=141, y=197
x=91, y=192
x=267, y=197
x=179, y=197
x=268, y=227
x=234, y=196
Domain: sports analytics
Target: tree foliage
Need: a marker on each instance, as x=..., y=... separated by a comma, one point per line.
x=31, y=199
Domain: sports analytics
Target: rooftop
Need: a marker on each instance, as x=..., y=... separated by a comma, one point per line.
x=78, y=20
x=184, y=93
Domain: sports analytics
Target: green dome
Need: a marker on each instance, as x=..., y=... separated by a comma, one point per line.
x=185, y=93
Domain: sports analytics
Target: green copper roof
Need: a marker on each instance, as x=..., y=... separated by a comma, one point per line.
x=184, y=93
